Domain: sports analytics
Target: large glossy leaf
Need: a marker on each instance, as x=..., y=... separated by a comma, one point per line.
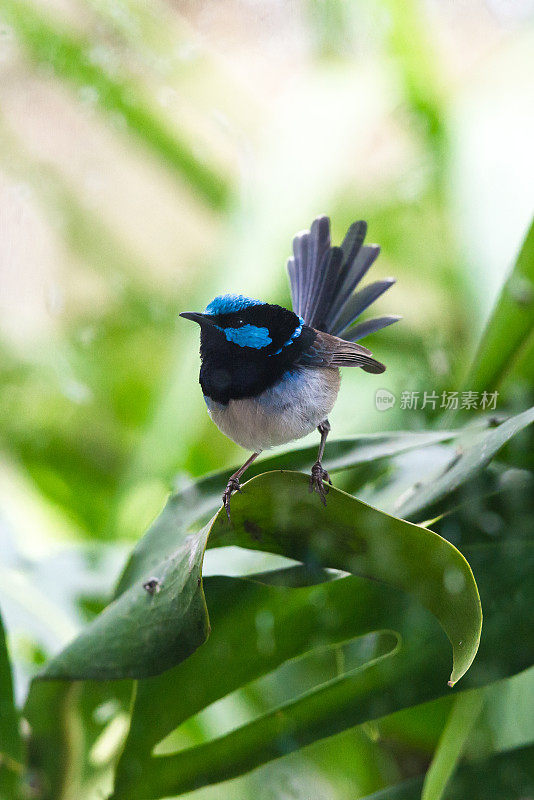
x=500, y=588
x=424, y=498
x=200, y=501
x=511, y=325
x=278, y=514
x=142, y=634
x=255, y=629
x=10, y=741
x=497, y=589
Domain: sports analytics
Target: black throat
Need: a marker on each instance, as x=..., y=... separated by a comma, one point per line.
x=231, y=371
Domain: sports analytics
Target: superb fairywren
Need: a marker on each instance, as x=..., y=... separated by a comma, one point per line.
x=270, y=375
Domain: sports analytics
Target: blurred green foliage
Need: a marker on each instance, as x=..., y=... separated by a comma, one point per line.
x=152, y=155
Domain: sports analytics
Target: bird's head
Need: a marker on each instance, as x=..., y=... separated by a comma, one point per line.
x=238, y=326
x=245, y=345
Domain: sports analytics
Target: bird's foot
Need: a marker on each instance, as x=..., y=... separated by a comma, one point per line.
x=232, y=486
x=319, y=481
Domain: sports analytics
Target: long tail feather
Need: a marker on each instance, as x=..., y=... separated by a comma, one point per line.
x=357, y=303
x=293, y=279
x=358, y=268
x=351, y=246
x=369, y=326
x=329, y=271
x=319, y=264
x=324, y=278
x=300, y=250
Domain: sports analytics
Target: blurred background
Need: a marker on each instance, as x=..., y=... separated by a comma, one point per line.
x=154, y=154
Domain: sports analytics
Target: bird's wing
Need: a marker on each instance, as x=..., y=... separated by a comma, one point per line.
x=323, y=279
x=330, y=351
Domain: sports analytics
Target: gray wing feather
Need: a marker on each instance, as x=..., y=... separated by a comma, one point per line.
x=331, y=351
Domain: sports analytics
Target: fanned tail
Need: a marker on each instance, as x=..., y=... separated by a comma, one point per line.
x=324, y=279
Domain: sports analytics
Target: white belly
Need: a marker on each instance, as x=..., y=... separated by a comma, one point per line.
x=290, y=409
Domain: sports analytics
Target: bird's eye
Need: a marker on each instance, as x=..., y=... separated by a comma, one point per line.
x=240, y=320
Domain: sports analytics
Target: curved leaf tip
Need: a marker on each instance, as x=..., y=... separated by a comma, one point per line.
x=276, y=513
x=143, y=633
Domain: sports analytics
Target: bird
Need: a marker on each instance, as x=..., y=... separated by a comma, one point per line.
x=269, y=374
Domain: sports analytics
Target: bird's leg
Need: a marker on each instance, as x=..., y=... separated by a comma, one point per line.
x=318, y=474
x=233, y=484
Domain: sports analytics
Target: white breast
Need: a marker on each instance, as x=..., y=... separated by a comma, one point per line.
x=290, y=409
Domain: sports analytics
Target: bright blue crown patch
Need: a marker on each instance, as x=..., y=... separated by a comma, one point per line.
x=229, y=303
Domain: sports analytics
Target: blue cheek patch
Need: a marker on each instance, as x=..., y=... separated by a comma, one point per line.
x=248, y=336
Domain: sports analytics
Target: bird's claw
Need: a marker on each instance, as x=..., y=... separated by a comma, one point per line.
x=232, y=486
x=319, y=481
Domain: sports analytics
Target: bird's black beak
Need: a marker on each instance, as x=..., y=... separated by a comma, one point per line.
x=196, y=316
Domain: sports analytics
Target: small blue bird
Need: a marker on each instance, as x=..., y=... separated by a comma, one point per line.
x=270, y=375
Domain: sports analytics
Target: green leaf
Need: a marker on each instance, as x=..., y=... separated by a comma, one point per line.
x=255, y=629
x=144, y=632
x=141, y=635
x=510, y=326
x=307, y=718
x=507, y=720
x=407, y=790
x=56, y=739
x=66, y=721
x=393, y=679
x=506, y=775
x=278, y=514
x=463, y=716
x=10, y=741
x=200, y=501
x=422, y=502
